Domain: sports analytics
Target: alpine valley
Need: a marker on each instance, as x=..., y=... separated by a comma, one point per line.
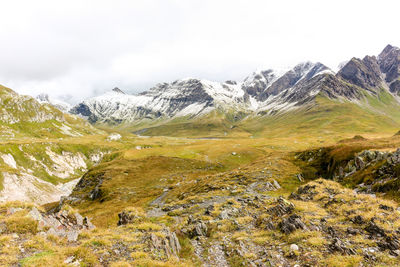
x=285, y=168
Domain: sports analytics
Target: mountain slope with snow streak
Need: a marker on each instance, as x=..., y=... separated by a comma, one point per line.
x=194, y=97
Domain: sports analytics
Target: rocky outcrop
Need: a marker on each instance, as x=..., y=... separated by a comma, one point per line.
x=291, y=224
x=167, y=244
x=61, y=224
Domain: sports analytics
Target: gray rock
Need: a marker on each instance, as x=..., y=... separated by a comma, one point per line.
x=276, y=184
x=169, y=245
x=35, y=214
x=72, y=235
x=224, y=215
x=360, y=164
x=338, y=246
x=291, y=224
x=79, y=219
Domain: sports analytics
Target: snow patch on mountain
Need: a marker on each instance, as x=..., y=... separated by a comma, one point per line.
x=46, y=99
x=260, y=91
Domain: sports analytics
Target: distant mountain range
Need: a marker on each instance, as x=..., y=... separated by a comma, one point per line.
x=263, y=92
x=371, y=85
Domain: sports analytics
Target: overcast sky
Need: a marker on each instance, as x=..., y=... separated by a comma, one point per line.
x=77, y=49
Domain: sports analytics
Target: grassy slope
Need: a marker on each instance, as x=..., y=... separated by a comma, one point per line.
x=322, y=118
x=35, y=120
x=327, y=117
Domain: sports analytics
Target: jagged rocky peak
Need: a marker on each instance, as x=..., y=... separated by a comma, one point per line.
x=389, y=63
x=230, y=82
x=117, y=90
x=281, y=82
x=43, y=97
x=364, y=73
x=258, y=81
x=302, y=71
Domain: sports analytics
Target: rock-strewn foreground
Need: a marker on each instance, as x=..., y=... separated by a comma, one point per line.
x=233, y=203
x=319, y=224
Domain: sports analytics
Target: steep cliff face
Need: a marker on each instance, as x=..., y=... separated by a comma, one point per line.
x=389, y=62
x=364, y=73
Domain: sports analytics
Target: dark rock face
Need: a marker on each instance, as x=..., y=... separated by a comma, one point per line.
x=364, y=73
x=267, y=84
x=88, y=187
x=290, y=78
x=395, y=87
x=231, y=82
x=117, y=90
x=81, y=109
x=389, y=62
x=255, y=85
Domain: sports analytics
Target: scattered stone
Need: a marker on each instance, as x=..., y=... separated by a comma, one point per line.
x=276, y=184
x=291, y=224
x=352, y=231
x=200, y=229
x=358, y=219
x=209, y=209
x=374, y=229
x=11, y=211
x=224, y=215
x=385, y=207
x=338, y=246
x=72, y=235
x=69, y=260
x=390, y=243
x=304, y=193
x=265, y=223
x=126, y=217
x=282, y=208
x=35, y=214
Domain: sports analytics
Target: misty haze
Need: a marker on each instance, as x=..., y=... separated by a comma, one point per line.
x=199, y=133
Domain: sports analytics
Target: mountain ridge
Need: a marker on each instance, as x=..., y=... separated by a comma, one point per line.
x=262, y=92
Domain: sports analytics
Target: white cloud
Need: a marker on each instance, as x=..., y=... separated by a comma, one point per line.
x=80, y=48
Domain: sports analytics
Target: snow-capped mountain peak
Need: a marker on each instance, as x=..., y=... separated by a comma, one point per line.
x=264, y=91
